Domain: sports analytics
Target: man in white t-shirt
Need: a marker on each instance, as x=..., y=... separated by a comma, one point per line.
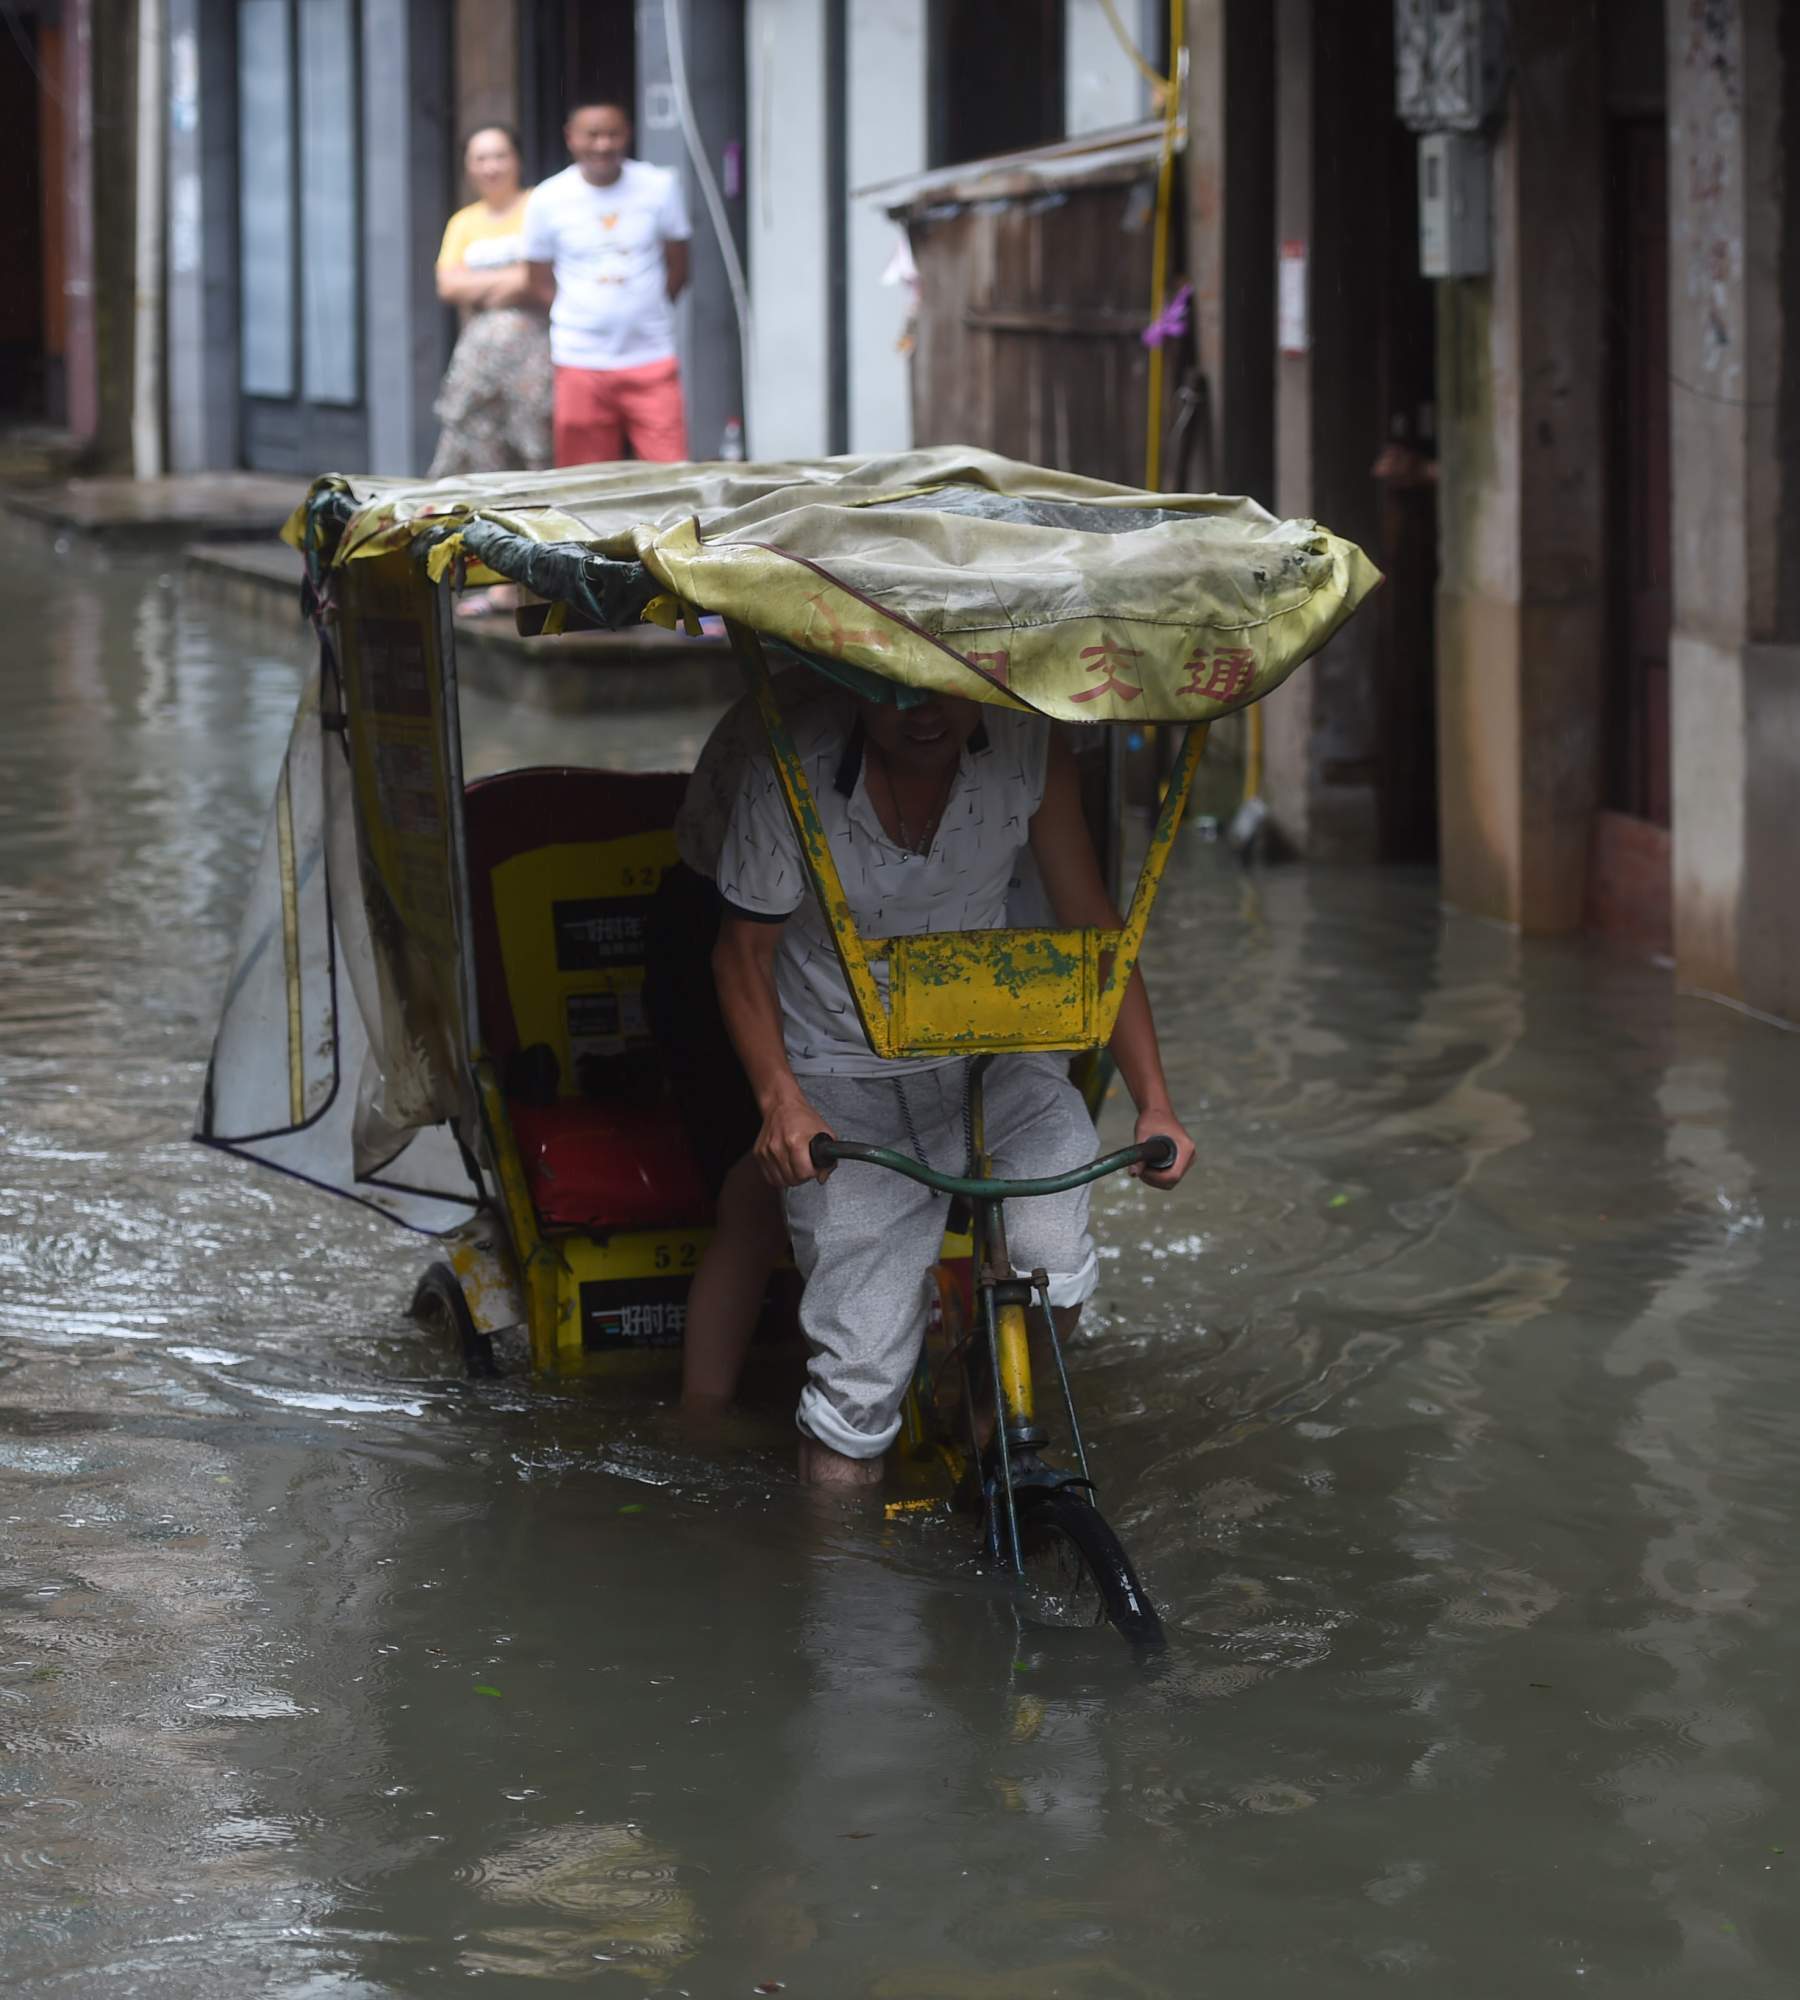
x=607, y=242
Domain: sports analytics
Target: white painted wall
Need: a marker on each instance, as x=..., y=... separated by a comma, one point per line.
x=784, y=64
x=885, y=58
x=1101, y=84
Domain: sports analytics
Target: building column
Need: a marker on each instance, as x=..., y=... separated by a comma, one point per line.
x=202, y=236
x=76, y=90
x=1522, y=500
x=99, y=132
x=1333, y=79
x=1734, y=658
x=1230, y=251
x=712, y=47
x=786, y=187
x=886, y=139
x=408, y=103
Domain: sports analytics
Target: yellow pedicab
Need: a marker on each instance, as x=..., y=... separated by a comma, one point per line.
x=437, y=1002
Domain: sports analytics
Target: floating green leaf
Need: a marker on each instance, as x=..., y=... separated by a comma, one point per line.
x=481, y=1687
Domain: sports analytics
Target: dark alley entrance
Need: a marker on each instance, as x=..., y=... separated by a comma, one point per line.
x=31, y=232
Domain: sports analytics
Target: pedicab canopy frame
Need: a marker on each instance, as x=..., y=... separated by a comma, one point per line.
x=946, y=571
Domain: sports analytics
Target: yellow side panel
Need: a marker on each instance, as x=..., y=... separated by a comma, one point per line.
x=623, y=1299
x=386, y=629
x=958, y=991
x=563, y=912
x=636, y=1253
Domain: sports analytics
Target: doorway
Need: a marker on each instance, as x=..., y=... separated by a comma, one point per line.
x=1628, y=874
x=1406, y=547
x=31, y=301
x=300, y=351
x=996, y=78
x=576, y=52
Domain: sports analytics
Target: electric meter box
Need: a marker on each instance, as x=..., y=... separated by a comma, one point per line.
x=1454, y=226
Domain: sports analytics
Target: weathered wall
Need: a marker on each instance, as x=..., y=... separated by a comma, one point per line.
x=1228, y=173
x=1734, y=107
x=98, y=91
x=1229, y=169
x=1331, y=197
x=1521, y=595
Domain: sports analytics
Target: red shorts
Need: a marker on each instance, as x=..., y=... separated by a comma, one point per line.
x=602, y=413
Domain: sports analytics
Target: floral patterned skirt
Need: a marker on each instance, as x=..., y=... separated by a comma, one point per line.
x=493, y=405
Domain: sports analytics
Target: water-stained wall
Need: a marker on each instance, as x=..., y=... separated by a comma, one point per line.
x=1734, y=660
x=1522, y=500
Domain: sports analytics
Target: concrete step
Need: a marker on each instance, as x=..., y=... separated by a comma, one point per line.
x=578, y=673
x=35, y=455
x=160, y=513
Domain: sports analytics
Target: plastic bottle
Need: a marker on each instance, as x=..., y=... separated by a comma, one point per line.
x=731, y=445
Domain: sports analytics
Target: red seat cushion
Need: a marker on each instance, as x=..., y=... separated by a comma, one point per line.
x=607, y=1166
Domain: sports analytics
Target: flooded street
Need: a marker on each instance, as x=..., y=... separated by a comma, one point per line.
x=1451, y=1408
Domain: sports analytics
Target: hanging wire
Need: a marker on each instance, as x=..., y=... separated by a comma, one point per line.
x=715, y=208
x=15, y=27
x=1146, y=69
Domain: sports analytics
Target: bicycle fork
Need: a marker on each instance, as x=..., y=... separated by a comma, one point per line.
x=1006, y=1303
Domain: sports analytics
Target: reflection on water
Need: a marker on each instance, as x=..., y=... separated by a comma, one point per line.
x=1450, y=1408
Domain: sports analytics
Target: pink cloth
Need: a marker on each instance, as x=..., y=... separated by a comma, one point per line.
x=601, y=413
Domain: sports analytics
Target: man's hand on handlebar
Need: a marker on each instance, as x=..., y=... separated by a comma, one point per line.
x=788, y=1130
x=1160, y=1122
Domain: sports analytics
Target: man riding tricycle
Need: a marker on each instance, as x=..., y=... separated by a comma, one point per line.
x=439, y=1004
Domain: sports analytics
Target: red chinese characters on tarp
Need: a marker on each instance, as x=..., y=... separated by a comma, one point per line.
x=1220, y=676
x=998, y=665
x=1108, y=661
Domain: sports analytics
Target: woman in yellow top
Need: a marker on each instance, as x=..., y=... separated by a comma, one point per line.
x=494, y=405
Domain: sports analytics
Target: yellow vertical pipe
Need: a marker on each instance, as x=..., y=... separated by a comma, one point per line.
x=1159, y=255
x=1015, y=1364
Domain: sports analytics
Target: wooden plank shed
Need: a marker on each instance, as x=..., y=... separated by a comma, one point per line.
x=1034, y=290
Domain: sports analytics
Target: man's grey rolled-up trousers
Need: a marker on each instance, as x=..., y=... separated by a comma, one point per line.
x=865, y=1239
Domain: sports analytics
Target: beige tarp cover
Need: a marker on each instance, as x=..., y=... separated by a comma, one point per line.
x=949, y=569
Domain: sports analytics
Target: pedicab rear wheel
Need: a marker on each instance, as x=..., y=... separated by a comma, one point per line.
x=1076, y=1569
x=439, y=1302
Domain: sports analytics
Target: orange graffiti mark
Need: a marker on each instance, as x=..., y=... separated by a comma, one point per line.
x=838, y=636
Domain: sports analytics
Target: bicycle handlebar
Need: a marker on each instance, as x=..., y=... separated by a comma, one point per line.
x=1157, y=1154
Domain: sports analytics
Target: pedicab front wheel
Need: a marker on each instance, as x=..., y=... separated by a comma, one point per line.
x=1076, y=1569
x=439, y=1302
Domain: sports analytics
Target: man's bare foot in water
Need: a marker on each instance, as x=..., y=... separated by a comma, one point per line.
x=821, y=1466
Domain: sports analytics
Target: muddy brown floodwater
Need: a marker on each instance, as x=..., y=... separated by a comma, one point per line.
x=1452, y=1407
